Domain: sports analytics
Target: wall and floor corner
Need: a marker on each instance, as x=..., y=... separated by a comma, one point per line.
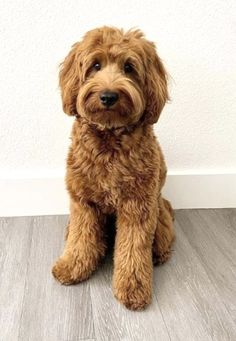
x=196, y=129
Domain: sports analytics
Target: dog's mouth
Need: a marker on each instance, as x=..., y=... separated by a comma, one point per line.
x=108, y=117
x=109, y=112
x=117, y=112
x=103, y=110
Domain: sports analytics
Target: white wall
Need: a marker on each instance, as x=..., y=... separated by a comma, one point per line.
x=196, y=40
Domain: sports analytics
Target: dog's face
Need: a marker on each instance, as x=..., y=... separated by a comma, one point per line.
x=113, y=79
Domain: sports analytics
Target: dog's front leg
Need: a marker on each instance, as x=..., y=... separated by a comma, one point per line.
x=84, y=245
x=132, y=280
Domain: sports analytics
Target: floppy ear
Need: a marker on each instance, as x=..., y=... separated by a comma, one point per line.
x=69, y=77
x=156, y=84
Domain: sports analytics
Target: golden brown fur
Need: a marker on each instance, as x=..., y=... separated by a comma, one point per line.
x=115, y=164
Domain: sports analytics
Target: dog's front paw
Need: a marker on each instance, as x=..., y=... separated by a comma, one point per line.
x=134, y=294
x=69, y=271
x=63, y=272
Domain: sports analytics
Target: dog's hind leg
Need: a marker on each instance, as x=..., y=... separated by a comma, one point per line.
x=164, y=233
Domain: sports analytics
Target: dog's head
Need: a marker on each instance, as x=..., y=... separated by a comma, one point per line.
x=113, y=78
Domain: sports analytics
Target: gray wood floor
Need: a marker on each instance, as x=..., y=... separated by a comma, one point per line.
x=194, y=293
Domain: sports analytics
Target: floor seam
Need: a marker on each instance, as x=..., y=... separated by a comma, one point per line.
x=162, y=316
x=26, y=276
x=92, y=311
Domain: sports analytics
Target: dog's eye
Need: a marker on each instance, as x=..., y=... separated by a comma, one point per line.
x=128, y=68
x=97, y=66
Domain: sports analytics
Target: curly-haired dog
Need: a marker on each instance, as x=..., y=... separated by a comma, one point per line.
x=115, y=85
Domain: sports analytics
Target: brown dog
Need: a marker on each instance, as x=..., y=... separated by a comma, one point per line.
x=115, y=85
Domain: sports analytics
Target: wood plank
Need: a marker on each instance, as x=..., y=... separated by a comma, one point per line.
x=15, y=238
x=222, y=224
x=208, y=237
x=191, y=307
x=112, y=321
x=228, y=216
x=52, y=311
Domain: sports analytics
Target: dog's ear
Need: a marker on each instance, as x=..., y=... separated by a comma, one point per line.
x=156, y=84
x=69, y=79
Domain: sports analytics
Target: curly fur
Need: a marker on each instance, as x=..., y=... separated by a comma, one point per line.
x=115, y=164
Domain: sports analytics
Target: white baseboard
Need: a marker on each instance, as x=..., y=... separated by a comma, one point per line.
x=201, y=190
x=46, y=194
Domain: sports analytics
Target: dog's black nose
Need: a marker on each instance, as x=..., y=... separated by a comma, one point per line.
x=108, y=98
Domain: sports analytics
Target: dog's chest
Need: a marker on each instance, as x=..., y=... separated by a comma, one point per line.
x=103, y=172
x=105, y=169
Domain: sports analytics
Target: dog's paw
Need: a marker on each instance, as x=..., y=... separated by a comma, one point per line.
x=161, y=258
x=135, y=297
x=63, y=272
x=69, y=272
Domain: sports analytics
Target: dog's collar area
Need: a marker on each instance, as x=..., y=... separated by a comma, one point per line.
x=116, y=131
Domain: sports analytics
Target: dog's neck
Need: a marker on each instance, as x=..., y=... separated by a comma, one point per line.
x=118, y=131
